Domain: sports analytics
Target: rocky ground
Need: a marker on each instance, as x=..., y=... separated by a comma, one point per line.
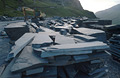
x=113, y=67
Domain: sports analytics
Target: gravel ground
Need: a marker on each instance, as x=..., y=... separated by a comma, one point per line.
x=113, y=67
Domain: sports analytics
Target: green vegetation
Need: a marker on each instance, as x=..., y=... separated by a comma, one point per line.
x=50, y=8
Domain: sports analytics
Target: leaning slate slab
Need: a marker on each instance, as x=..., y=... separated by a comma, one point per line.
x=27, y=60
x=20, y=44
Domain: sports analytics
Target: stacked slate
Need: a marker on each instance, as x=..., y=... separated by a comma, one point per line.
x=99, y=34
x=114, y=43
x=111, y=29
x=56, y=56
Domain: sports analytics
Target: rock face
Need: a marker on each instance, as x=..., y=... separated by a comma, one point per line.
x=73, y=3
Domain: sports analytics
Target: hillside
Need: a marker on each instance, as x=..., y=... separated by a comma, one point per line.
x=112, y=13
x=50, y=7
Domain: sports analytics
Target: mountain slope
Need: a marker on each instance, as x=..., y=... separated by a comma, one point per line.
x=50, y=7
x=112, y=13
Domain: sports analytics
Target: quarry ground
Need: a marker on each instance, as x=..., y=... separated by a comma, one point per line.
x=113, y=67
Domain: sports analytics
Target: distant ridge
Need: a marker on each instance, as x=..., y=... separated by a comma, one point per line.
x=112, y=13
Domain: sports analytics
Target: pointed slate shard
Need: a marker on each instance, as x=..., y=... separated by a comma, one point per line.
x=20, y=44
x=27, y=60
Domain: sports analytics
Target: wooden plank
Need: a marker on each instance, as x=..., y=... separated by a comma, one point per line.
x=27, y=60
x=20, y=44
x=34, y=71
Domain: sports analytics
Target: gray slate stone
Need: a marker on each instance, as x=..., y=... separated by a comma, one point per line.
x=41, y=40
x=27, y=60
x=20, y=44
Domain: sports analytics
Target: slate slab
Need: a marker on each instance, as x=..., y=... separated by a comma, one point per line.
x=20, y=44
x=27, y=59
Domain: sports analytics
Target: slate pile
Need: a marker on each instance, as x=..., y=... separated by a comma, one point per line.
x=114, y=43
x=63, y=59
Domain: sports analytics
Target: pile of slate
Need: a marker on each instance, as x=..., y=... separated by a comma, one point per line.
x=48, y=55
x=114, y=43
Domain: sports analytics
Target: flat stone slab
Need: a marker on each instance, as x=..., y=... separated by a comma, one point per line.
x=72, y=49
x=77, y=47
x=14, y=25
x=16, y=30
x=41, y=40
x=88, y=31
x=90, y=57
x=80, y=57
x=85, y=37
x=35, y=71
x=27, y=59
x=50, y=54
x=49, y=72
x=60, y=39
